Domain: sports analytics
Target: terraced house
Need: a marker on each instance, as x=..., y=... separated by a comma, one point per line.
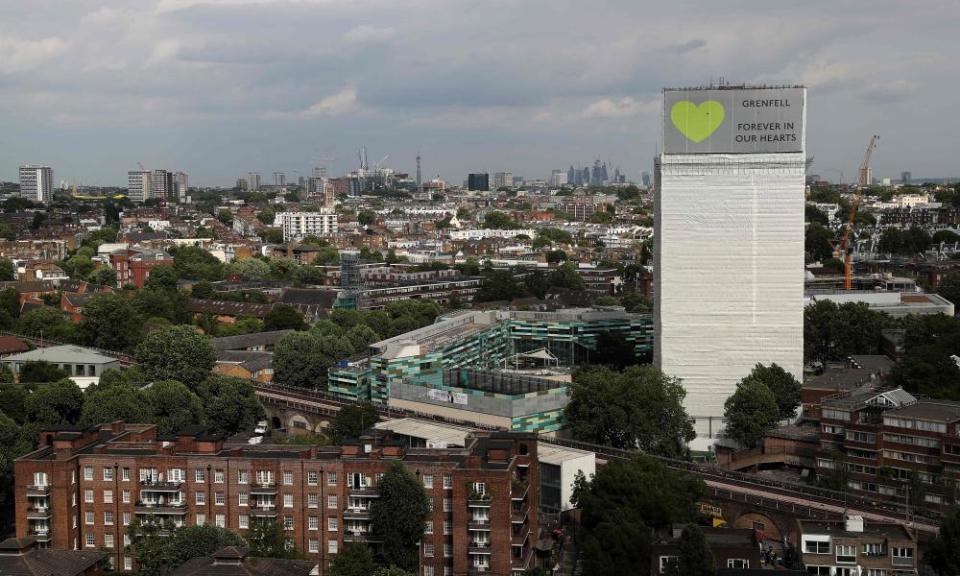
x=84, y=488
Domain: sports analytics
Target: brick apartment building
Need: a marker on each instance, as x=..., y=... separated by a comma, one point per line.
x=892, y=444
x=133, y=266
x=84, y=487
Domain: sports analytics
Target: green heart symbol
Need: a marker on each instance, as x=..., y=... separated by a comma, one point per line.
x=697, y=122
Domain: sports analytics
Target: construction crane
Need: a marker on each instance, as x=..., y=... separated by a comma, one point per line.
x=863, y=181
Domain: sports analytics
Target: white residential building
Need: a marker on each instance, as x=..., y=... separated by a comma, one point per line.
x=298, y=225
x=139, y=187
x=36, y=183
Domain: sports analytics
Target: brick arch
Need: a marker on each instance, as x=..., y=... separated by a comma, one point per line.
x=753, y=520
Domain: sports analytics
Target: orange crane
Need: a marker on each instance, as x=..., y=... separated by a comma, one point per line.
x=863, y=180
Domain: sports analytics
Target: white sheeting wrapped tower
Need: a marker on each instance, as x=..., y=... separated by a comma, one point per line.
x=729, y=247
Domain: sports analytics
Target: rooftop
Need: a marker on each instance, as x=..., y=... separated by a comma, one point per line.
x=933, y=410
x=64, y=354
x=837, y=528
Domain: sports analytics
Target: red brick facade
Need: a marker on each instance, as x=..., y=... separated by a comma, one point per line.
x=483, y=497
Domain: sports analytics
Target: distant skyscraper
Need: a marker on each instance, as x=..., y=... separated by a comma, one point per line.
x=502, y=180
x=419, y=180
x=571, y=176
x=646, y=179
x=279, y=179
x=253, y=181
x=905, y=177
x=36, y=183
x=161, y=185
x=558, y=178
x=584, y=177
x=139, y=187
x=180, y=185
x=478, y=182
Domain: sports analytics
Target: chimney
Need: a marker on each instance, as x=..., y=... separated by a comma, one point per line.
x=853, y=524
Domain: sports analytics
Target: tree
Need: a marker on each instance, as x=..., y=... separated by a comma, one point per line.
x=161, y=547
x=694, y=557
x=283, y=317
x=355, y=559
x=110, y=322
x=566, y=276
x=163, y=277
x=299, y=361
x=104, y=276
x=155, y=302
x=195, y=263
x=46, y=322
x=41, y=371
x=832, y=332
x=398, y=516
x=395, y=571
x=57, y=403
x=249, y=268
x=351, y=421
x=817, y=243
x=7, y=270
x=267, y=539
x=950, y=287
x=944, y=552
x=202, y=290
x=266, y=216
x=176, y=353
x=366, y=217
x=785, y=388
x=283, y=268
x=814, y=215
x=361, y=336
x=555, y=256
x=327, y=256
x=12, y=400
x=622, y=503
x=231, y=404
x=750, y=412
x=499, y=220
x=498, y=285
x=105, y=403
x=172, y=406
x=891, y=241
x=927, y=367
x=225, y=216
x=15, y=441
x=946, y=237
x=637, y=408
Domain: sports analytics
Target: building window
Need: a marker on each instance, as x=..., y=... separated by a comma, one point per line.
x=313, y=546
x=287, y=478
x=108, y=496
x=244, y=521
x=478, y=488
x=199, y=475
x=88, y=472
x=88, y=496
x=875, y=572
x=873, y=549
x=125, y=496
x=666, y=562
x=219, y=499
x=313, y=523
x=816, y=547
x=313, y=500
x=108, y=540
x=218, y=477
x=125, y=474
x=312, y=478
x=288, y=522
x=108, y=518
x=201, y=498
x=331, y=546
x=428, y=527
x=108, y=473
x=331, y=478
x=242, y=499
x=447, y=482
x=448, y=505
x=428, y=482
x=332, y=502
x=127, y=563
x=242, y=476
x=91, y=541
x=40, y=479
x=288, y=500
x=201, y=519
x=846, y=553
x=126, y=518
x=447, y=527
x=901, y=553
x=448, y=550
x=331, y=524
x=221, y=520
x=88, y=518
x=738, y=563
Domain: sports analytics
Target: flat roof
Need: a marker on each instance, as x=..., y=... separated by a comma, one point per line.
x=557, y=455
x=837, y=528
x=450, y=435
x=933, y=410
x=66, y=353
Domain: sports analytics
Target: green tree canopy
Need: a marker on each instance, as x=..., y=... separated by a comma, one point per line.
x=41, y=371
x=253, y=268
x=398, y=516
x=637, y=408
x=172, y=406
x=195, y=263
x=351, y=421
x=750, y=412
x=46, y=322
x=949, y=287
x=622, y=503
x=110, y=322
x=54, y=404
x=163, y=277
x=814, y=215
x=104, y=275
x=299, y=361
x=230, y=404
x=785, y=388
x=283, y=317
x=944, y=552
x=7, y=270
x=499, y=220
x=176, y=353
x=694, y=557
x=267, y=539
x=103, y=404
x=356, y=559
x=161, y=549
x=817, y=243
x=832, y=332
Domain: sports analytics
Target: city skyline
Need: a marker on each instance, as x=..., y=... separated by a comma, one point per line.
x=218, y=88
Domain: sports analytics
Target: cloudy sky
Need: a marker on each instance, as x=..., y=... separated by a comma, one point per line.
x=218, y=88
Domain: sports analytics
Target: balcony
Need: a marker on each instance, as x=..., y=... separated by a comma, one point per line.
x=477, y=500
x=168, y=509
x=41, y=535
x=264, y=488
x=38, y=490
x=160, y=486
x=262, y=511
x=478, y=571
x=479, y=547
x=899, y=561
x=519, y=489
x=365, y=537
x=38, y=513
x=357, y=513
x=478, y=524
x=520, y=539
x=519, y=516
x=368, y=491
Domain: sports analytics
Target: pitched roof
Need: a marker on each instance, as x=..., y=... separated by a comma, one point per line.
x=251, y=360
x=227, y=308
x=64, y=354
x=234, y=561
x=19, y=558
x=11, y=345
x=323, y=298
x=242, y=341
